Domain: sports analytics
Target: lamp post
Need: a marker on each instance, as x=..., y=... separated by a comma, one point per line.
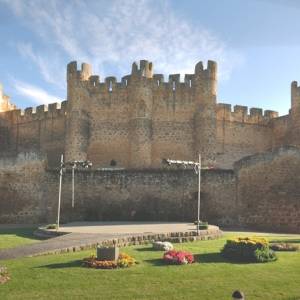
x=74, y=165
x=197, y=168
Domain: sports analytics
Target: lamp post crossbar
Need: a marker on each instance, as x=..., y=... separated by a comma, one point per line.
x=85, y=164
x=197, y=168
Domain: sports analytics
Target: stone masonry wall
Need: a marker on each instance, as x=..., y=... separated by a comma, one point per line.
x=28, y=193
x=21, y=191
x=261, y=193
x=142, y=119
x=153, y=195
x=268, y=190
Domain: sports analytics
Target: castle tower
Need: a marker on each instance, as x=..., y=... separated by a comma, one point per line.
x=293, y=133
x=205, y=94
x=295, y=97
x=77, y=134
x=140, y=97
x=5, y=104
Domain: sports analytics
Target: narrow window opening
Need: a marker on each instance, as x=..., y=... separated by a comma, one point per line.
x=110, y=87
x=113, y=163
x=190, y=83
x=158, y=82
x=174, y=86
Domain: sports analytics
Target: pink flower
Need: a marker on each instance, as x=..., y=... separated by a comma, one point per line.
x=178, y=257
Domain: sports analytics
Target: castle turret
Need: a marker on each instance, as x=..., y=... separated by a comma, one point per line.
x=293, y=133
x=295, y=97
x=5, y=104
x=140, y=96
x=205, y=94
x=77, y=134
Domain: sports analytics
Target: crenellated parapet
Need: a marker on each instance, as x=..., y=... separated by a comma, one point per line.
x=31, y=114
x=203, y=78
x=240, y=114
x=5, y=104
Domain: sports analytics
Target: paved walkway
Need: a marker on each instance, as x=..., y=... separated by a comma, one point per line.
x=82, y=234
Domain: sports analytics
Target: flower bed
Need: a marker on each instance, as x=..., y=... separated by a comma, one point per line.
x=123, y=261
x=178, y=257
x=4, y=276
x=248, y=250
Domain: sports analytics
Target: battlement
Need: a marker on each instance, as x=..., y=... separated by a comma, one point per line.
x=209, y=73
x=5, y=104
x=83, y=74
x=295, y=88
x=40, y=112
x=141, y=70
x=145, y=69
x=240, y=114
x=295, y=96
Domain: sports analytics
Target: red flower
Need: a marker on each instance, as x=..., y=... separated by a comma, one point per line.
x=178, y=257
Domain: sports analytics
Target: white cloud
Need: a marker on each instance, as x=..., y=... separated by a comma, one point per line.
x=47, y=68
x=35, y=94
x=111, y=35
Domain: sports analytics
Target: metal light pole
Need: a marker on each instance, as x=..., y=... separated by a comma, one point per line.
x=197, y=167
x=73, y=185
x=74, y=164
x=199, y=194
x=59, y=190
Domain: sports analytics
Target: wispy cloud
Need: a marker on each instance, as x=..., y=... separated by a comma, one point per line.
x=110, y=35
x=47, y=68
x=33, y=93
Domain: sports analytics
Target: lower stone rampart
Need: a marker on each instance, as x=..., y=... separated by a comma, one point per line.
x=262, y=192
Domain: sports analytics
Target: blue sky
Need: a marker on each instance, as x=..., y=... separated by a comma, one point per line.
x=256, y=44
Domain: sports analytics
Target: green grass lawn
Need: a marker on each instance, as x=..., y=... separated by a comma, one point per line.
x=62, y=277
x=13, y=237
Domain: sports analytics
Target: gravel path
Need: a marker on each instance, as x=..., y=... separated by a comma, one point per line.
x=56, y=243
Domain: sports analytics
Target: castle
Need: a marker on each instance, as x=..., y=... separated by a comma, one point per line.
x=135, y=123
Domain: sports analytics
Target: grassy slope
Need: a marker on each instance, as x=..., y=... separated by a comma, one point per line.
x=13, y=237
x=62, y=277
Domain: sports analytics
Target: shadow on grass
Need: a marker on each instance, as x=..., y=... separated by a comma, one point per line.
x=149, y=249
x=157, y=262
x=207, y=258
x=291, y=241
x=70, y=264
x=21, y=232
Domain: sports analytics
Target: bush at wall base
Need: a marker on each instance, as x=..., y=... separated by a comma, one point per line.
x=245, y=249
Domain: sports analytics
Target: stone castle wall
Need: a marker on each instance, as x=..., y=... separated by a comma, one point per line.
x=262, y=192
x=273, y=178
x=137, y=122
x=142, y=119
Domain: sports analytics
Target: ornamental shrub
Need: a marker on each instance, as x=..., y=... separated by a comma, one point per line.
x=248, y=250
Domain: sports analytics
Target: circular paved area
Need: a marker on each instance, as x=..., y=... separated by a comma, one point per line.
x=126, y=227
